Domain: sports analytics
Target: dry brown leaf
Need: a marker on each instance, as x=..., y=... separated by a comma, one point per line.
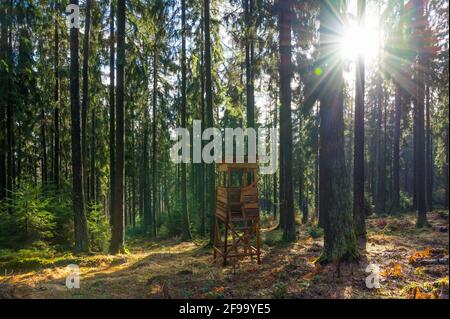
x=418, y=255
x=395, y=271
x=420, y=293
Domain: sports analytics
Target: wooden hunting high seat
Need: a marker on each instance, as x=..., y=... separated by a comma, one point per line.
x=237, y=208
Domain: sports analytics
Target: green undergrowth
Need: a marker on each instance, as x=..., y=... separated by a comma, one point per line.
x=27, y=259
x=273, y=238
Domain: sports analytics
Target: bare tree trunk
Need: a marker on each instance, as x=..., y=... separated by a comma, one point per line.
x=202, y=179
x=145, y=178
x=286, y=188
x=154, y=173
x=112, y=109
x=381, y=155
x=359, y=214
x=186, y=224
x=418, y=27
x=93, y=178
x=275, y=177
x=211, y=190
x=118, y=229
x=428, y=155
x=248, y=13
x=10, y=118
x=396, y=151
x=446, y=168
x=335, y=202
x=85, y=103
x=56, y=144
x=81, y=227
x=44, y=149
x=4, y=95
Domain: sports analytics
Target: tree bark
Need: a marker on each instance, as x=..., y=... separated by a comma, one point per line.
x=446, y=168
x=10, y=116
x=3, y=95
x=154, y=173
x=93, y=172
x=56, y=125
x=112, y=109
x=396, y=150
x=211, y=189
x=44, y=165
x=249, y=52
x=428, y=155
x=202, y=179
x=275, y=177
x=418, y=27
x=186, y=235
x=118, y=229
x=81, y=227
x=85, y=89
x=334, y=197
x=359, y=214
x=285, y=70
x=145, y=178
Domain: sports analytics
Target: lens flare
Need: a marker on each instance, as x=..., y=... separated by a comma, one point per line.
x=360, y=40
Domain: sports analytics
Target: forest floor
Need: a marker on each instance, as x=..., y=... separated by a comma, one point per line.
x=413, y=263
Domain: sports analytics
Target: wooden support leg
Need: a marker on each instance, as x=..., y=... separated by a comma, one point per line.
x=225, y=247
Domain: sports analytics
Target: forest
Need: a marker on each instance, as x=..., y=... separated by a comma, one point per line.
x=354, y=95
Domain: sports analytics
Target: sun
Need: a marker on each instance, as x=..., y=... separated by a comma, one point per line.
x=360, y=40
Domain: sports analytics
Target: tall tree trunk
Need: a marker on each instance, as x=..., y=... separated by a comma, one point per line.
x=334, y=198
x=202, y=110
x=302, y=197
x=155, y=92
x=186, y=225
x=93, y=172
x=359, y=214
x=380, y=204
x=81, y=227
x=446, y=167
x=317, y=214
x=396, y=151
x=428, y=155
x=285, y=69
x=10, y=116
x=418, y=28
x=56, y=143
x=301, y=179
x=118, y=229
x=85, y=89
x=414, y=159
x=44, y=149
x=4, y=94
x=211, y=189
x=249, y=52
x=10, y=146
x=145, y=178
x=275, y=178
x=112, y=109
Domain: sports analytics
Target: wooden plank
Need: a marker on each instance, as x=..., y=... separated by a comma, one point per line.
x=251, y=205
x=222, y=199
x=250, y=191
